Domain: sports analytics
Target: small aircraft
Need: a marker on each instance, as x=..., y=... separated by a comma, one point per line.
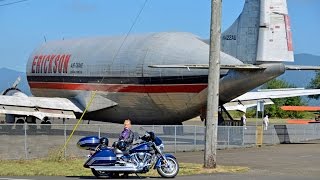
x=155, y=78
x=315, y=109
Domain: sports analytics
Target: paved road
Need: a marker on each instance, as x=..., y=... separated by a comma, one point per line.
x=199, y=177
x=282, y=162
x=288, y=159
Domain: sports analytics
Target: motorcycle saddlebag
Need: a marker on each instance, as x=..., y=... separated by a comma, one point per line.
x=103, y=157
x=88, y=142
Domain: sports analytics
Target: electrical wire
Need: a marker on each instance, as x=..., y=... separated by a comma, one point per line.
x=16, y=2
x=93, y=94
x=128, y=33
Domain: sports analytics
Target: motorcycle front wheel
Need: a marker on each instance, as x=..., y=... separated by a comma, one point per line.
x=169, y=170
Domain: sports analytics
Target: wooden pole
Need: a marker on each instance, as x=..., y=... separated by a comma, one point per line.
x=210, y=160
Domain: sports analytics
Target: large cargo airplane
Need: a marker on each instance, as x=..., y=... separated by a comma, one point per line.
x=155, y=78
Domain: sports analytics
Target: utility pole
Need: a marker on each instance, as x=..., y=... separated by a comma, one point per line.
x=210, y=160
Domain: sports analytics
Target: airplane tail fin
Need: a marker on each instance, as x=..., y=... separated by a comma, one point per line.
x=261, y=33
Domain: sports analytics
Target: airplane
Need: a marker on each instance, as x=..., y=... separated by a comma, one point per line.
x=155, y=78
x=315, y=109
x=242, y=106
x=301, y=108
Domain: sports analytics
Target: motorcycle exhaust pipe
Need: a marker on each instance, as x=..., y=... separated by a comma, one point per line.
x=116, y=168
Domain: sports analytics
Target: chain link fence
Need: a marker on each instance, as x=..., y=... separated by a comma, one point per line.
x=38, y=141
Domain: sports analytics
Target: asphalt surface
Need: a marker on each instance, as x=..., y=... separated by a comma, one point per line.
x=287, y=160
x=282, y=162
x=301, y=159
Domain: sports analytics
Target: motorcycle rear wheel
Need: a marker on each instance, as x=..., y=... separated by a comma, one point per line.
x=103, y=174
x=170, y=170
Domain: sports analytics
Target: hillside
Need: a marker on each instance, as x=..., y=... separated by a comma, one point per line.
x=302, y=78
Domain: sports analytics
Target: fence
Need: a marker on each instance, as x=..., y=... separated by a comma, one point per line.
x=36, y=141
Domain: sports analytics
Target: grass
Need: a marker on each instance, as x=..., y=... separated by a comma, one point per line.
x=272, y=121
x=252, y=121
x=43, y=168
x=74, y=167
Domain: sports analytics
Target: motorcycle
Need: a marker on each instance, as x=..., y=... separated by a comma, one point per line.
x=144, y=154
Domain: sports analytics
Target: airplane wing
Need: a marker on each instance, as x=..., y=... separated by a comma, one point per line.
x=236, y=66
x=41, y=107
x=206, y=66
x=276, y=93
x=243, y=105
x=298, y=67
x=250, y=99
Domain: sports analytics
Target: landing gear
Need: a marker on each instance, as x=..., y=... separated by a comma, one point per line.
x=18, y=121
x=19, y=124
x=203, y=114
x=45, y=124
x=8, y=123
x=32, y=123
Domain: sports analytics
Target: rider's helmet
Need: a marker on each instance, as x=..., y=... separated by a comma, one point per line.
x=104, y=141
x=121, y=145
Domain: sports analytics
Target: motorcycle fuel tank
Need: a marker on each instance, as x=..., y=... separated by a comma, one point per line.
x=141, y=148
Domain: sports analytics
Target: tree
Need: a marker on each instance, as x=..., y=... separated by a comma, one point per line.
x=315, y=84
x=274, y=110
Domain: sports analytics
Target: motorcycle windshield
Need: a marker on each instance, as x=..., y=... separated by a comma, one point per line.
x=157, y=141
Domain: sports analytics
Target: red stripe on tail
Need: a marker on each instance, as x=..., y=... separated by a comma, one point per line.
x=289, y=33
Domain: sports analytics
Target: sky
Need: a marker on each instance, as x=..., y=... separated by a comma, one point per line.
x=25, y=25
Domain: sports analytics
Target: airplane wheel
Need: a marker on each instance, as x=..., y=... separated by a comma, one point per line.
x=45, y=125
x=19, y=124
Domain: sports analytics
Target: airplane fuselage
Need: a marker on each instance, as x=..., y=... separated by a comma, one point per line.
x=119, y=70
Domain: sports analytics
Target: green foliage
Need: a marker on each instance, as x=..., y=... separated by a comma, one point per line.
x=251, y=113
x=315, y=84
x=274, y=110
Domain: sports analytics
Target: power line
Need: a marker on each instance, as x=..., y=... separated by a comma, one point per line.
x=16, y=2
x=128, y=33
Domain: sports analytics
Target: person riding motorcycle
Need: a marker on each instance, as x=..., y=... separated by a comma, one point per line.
x=126, y=137
x=120, y=161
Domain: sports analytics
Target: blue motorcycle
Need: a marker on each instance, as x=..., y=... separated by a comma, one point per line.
x=108, y=161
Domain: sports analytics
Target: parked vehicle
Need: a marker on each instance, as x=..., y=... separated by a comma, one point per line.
x=144, y=154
